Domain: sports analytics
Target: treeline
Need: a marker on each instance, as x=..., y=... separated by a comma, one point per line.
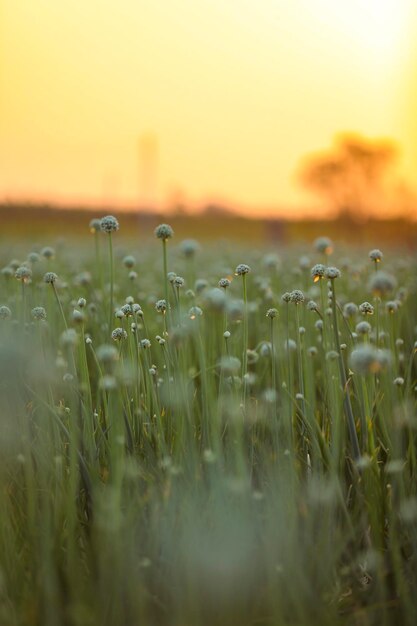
x=40, y=220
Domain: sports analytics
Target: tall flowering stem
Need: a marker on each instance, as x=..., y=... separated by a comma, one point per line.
x=286, y=298
x=165, y=266
x=109, y=225
x=164, y=232
x=111, y=280
x=376, y=257
x=241, y=270
x=50, y=278
x=332, y=273
x=271, y=314
x=24, y=275
x=95, y=228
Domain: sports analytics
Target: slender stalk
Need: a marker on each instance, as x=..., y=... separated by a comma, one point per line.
x=59, y=305
x=97, y=235
x=23, y=311
x=245, y=340
x=346, y=396
x=165, y=267
x=111, y=281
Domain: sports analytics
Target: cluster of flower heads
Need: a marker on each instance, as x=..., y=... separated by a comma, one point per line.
x=364, y=359
x=320, y=271
x=296, y=296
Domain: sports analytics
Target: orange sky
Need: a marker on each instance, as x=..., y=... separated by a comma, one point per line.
x=226, y=95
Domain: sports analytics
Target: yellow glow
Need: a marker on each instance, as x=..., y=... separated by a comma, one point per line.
x=126, y=101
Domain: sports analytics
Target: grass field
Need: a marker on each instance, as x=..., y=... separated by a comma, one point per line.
x=207, y=435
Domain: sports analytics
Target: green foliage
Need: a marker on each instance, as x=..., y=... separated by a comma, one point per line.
x=228, y=457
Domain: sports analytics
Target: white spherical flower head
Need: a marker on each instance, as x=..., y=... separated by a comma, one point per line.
x=189, y=247
x=382, y=283
x=109, y=224
x=164, y=232
x=363, y=328
x=33, y=257
x=376, y=255
x=108, y=383
x=271, y=313
x=82, y=302
x=118, y=334
x=304, y=262
x=145, y=344
x=271, y=261
x=23, y=273
x=179, y=281
x=391, y=306
x=195, y=312
x=5, y=313
x=368, y=360
x=312, y=306
x=161, y=306
x=83, y=278
x=69, y=337
x=77, y=316
x=297, y=296
x=332, y=355
x=200, y=285
x=50, y=278
x=366, y=308
x=290, y=345
x=107, y=353
x=242, y=269
x=350, y=309
x=95, y=225
x=38, y=313
x=332, y=272
x=127, y=310
x=224, y=283
x=47, y=252
x=286, y=297
x=129, y=261
x=229, y=364
x=317, y=271
x=7, y=271
x=323, y=245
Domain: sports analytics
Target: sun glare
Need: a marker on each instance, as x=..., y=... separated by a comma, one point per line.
x=233, y=94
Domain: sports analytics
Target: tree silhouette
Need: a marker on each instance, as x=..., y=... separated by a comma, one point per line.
x=352, y=177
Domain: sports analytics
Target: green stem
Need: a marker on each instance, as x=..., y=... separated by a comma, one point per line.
x=245, y=340
x=60, y=305
x=111, y=281
x=165, y=264
x=346, y=397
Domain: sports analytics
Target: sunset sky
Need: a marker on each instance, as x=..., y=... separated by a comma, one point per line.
x=127, y=101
